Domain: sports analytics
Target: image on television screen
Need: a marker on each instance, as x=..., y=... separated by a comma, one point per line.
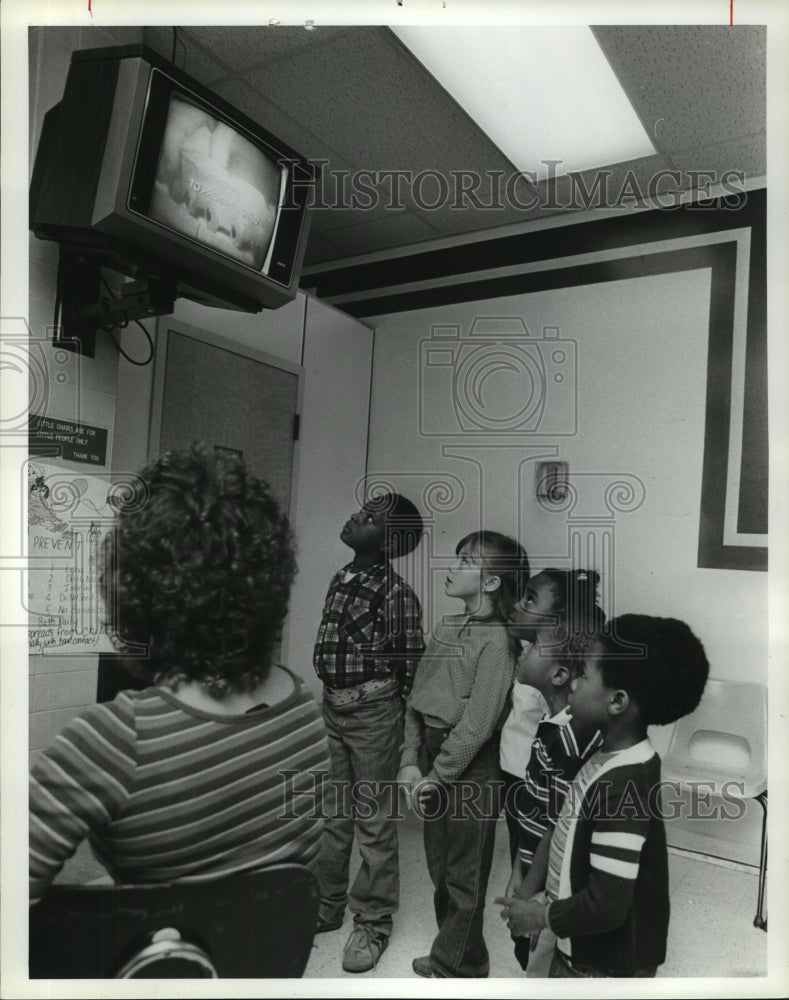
x=214, y=185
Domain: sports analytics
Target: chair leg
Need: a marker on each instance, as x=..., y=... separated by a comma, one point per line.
x=760, y=920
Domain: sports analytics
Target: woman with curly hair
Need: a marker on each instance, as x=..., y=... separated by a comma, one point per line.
x=212, y=768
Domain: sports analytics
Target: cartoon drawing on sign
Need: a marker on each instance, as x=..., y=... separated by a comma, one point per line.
x=39, y=505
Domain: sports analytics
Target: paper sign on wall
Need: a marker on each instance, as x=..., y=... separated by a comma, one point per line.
x=68, y=517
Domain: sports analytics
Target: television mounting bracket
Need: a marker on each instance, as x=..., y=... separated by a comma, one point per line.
x=88, y=304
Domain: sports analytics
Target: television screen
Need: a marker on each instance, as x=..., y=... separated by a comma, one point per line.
x=161, y=179
x=215, y=186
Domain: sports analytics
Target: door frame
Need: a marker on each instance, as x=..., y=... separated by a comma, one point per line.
x=164, y=326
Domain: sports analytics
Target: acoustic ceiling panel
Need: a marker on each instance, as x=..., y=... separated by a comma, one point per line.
x=691, y=85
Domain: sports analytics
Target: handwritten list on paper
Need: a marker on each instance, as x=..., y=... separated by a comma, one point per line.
x=68, y=518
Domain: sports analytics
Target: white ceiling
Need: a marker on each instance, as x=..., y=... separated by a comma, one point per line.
x=356, y=98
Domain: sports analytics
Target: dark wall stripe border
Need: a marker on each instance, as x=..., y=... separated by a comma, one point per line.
x=343, y=284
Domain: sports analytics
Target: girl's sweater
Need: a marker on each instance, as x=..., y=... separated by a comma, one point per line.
x=463, y=683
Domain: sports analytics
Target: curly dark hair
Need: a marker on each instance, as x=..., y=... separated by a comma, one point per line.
x=199, y=572
x=667, y=679
x=404, y=524
x=580, y=619
x=569, y=647
x=576, y=597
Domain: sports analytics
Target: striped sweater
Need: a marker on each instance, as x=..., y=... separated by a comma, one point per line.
x=611, y=908
x=166, y=792
x=558, y=751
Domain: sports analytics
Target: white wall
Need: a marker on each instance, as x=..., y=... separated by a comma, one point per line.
x=641, y=377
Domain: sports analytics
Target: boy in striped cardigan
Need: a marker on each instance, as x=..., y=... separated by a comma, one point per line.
x=606, y=888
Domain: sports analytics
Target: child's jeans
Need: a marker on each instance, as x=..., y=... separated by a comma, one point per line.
x=459, y=849
x=364, y=742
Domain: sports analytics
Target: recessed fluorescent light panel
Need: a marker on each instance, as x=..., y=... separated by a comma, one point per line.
x=540, y=94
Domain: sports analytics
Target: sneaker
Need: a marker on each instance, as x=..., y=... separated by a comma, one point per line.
x=423, y=966
x=363, y=949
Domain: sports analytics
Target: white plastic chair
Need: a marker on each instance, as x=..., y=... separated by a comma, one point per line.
x=725, y=742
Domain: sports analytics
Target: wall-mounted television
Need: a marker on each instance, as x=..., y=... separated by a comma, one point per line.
x=163, y=179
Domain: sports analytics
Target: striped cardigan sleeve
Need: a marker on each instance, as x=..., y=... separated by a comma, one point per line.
x=77, y=786
x=619, y=826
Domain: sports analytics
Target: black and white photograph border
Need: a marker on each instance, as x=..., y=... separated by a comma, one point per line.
x=420, y=301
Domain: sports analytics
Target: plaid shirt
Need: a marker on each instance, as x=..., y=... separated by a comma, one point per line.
x=371, y=628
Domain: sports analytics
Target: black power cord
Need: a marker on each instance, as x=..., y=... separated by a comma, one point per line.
x=122, y=326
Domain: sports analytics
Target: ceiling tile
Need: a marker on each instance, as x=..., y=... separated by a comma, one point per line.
x=366, y=95
x=691, y=85
x=327, y=217
x=747, y=154
x=189, y=56
x=394, y=230
x=449, y=221
x=320, y=250
x=64, y=36
x=244, y=46
x=117, y=35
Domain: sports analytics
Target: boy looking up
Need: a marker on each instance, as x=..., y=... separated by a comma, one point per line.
x=607, y=879
x=368, y=646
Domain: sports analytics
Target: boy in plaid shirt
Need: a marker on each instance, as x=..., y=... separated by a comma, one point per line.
x=369, y=643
